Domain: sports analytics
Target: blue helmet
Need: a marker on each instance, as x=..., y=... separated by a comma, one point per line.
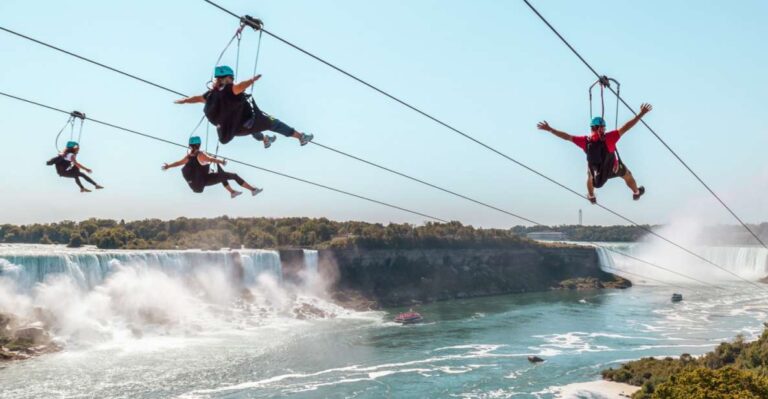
x=597, y=121
x=222, y=71
x=195, y=140
x=72, y=144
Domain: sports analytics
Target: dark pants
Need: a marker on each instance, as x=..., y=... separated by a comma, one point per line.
x=254, y=127
x=222, y=177
x=76, y=174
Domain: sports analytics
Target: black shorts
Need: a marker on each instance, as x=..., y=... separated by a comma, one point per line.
x=621, y=171
x=599, y=180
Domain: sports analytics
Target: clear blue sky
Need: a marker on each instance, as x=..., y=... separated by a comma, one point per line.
x=488, y=67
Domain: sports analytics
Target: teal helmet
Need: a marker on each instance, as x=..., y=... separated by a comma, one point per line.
x=597, y=121
x=72, y=144
x=195, y=140
x=222, y=71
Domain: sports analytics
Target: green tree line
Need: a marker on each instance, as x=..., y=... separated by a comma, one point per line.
x=617, y=233
x=712, y=235
x=735, y=369
x=221, y=232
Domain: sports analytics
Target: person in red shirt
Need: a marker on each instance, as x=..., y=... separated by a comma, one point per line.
x=603, y=161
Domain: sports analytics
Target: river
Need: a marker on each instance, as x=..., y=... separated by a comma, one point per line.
x=149, y=325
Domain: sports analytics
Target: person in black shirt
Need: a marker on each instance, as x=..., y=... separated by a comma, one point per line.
x=197, y=171
x=234, y=113
x=67, y=166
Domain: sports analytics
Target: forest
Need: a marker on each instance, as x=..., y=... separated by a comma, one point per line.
x=226, y=232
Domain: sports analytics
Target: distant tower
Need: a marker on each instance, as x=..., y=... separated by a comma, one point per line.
x=580, y=219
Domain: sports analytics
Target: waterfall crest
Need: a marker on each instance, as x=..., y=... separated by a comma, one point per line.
x=87, y=268
x=748, y=262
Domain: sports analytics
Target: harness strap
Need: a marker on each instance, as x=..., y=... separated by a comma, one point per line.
x=76, y=115
x=618, y=96
x=80, y=133
x=256, y=62
x=604, y=81
x=239, y=35
x=200, y=122
x=235, y=36
x=72, y=130
x=256, y=24
x=70, y=121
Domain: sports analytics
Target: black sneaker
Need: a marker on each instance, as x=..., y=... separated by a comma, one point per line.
x=640, y=191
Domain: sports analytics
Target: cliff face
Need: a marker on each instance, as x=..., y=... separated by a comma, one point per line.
x=400, y=277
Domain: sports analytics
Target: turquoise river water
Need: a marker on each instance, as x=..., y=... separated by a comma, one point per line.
x=146, y=327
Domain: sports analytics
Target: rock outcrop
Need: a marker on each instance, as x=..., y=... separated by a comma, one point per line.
x=593, y=283
x=402, y=277
x=21, y=341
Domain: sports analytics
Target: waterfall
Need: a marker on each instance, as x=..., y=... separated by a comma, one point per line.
x=748, y=262
x=310, y=272
x=87, y=296
x=256, y=262
x=27, y=265
x=310, y=262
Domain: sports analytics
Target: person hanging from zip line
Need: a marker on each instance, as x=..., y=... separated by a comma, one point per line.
x=67, y=166
x=603, y=160
x=235, y=113
x=197, y=171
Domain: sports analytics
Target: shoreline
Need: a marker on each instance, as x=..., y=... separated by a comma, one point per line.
x=600, y=389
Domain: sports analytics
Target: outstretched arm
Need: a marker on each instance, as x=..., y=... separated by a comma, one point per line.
x=240, y=87
x=644, y=109
x=205, y=158
x=190, y=100
x=81, y=166
x=545, y=127
x=180, y=162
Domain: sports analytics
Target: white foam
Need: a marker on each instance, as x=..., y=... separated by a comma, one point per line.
x=493, y=394
x=594, y=390
x=573, y=342
x=355, y=373
x=139, y=295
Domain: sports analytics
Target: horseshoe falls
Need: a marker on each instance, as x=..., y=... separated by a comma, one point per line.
x=736, y=262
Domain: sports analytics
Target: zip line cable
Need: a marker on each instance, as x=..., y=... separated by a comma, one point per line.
x=234, y=160
x=381, y=167
x=508, y=213
x=90, y=61
x=702, y=282
x=426, y=183
x=360, y=159
x=664, y=143
x=313, y=142
x=359, y=196
x=486, y=146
